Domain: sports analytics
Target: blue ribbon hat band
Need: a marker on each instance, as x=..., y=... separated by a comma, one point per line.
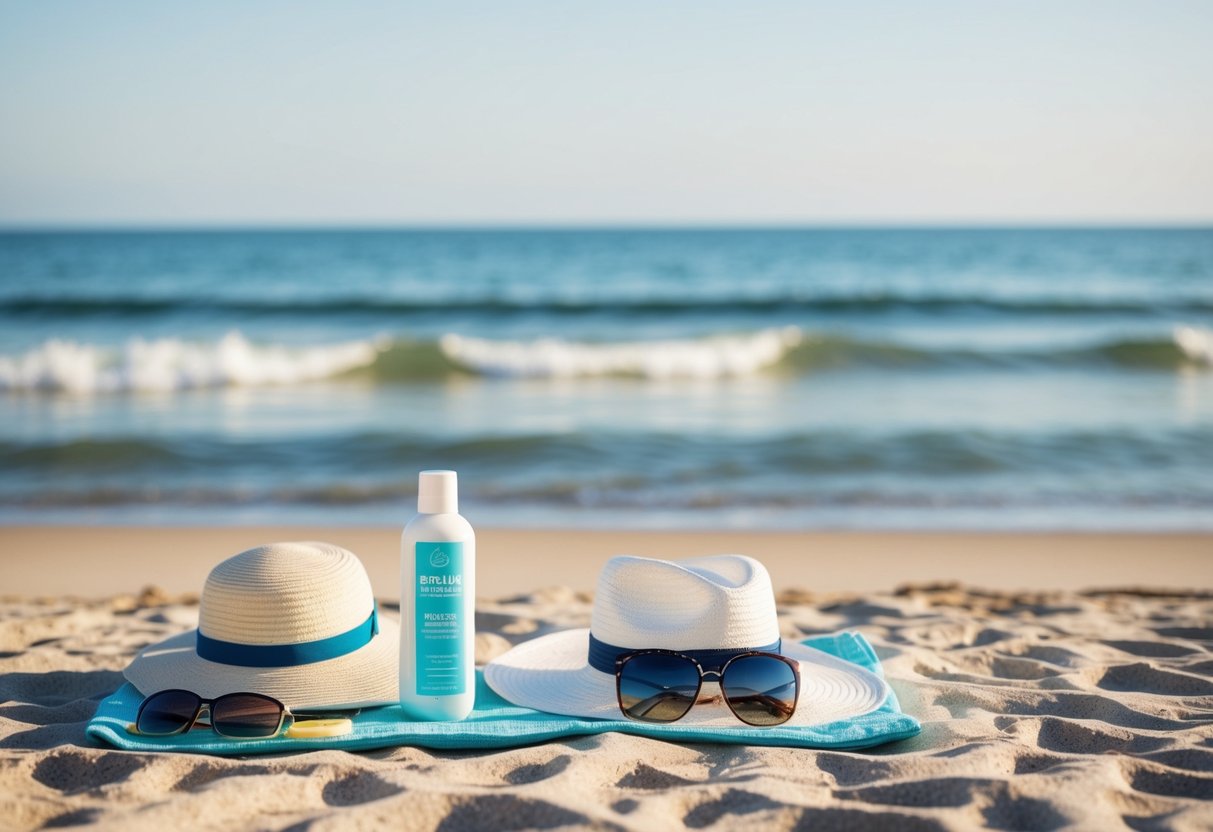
x=603, y=656
x=288, y=655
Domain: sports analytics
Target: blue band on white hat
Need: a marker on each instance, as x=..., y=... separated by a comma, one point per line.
x=288, y=655
x=604, y=656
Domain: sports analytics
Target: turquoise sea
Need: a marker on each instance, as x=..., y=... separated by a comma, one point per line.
x=739, y=378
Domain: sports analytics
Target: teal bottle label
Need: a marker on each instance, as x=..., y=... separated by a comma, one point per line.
x=440, y=619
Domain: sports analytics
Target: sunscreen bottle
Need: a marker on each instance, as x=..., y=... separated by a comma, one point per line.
x=437, y=605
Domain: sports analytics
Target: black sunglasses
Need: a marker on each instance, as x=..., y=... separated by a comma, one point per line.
x=239, y=716
x=760, y=688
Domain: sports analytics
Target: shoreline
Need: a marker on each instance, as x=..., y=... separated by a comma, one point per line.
x=97, y=561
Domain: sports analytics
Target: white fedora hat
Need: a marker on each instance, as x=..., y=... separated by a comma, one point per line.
x=295, y=621
x=713, y=603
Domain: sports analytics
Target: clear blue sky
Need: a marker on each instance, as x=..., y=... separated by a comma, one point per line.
x=118, y=112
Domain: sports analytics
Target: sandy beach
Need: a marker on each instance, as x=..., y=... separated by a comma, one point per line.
x=1053, y=694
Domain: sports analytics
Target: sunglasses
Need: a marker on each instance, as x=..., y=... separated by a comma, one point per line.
x=760, y=688
x=237, y=716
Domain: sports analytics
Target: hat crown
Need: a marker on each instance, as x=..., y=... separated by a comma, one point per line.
x=285, y=593
x=725, y=601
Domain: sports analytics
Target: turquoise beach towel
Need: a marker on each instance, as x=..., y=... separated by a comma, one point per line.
x=496, y=723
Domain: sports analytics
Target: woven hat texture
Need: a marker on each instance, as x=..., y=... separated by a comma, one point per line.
x=281, y=594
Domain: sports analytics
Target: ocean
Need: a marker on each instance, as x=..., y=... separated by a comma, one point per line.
x=994, y=379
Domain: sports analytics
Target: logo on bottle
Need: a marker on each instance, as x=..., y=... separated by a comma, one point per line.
x=439, y=558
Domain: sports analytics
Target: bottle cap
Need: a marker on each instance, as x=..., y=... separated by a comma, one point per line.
x=437, y=492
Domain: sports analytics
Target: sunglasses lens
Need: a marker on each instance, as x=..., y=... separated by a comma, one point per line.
x=246, y=716
x=654, y=687
x=761, y=690
x=167, y=712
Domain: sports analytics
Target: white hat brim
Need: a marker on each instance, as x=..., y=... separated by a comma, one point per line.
x=552, y=674
x=367, y=677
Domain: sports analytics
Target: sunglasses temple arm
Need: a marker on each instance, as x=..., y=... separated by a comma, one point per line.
x=302, y=715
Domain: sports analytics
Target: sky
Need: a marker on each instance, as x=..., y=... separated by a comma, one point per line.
x=295, y=113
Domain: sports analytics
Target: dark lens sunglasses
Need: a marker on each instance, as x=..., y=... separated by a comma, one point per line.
x=238, y=716
x=760, y=688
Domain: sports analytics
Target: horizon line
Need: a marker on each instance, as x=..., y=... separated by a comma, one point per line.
x=609, y=225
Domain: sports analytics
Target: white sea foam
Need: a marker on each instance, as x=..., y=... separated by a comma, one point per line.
x=705, y=358
x=170, y=364
x=1196, y=343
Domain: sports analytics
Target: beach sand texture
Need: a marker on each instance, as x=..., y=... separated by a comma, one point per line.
x=1041, y=710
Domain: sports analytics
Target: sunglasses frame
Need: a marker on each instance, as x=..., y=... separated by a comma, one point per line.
x=624, y=658
x=283, y=713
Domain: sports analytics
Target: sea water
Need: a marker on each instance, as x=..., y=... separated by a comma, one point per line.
x=1024, y=379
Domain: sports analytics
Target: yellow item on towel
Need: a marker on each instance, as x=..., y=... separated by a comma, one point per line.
x=319, y=728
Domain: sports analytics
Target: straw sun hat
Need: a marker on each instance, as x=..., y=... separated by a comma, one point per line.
x=723, y=602
x=295, y=621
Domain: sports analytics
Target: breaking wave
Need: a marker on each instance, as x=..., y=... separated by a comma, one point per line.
x=170, y=364
x=715, y=357
x=161, y=365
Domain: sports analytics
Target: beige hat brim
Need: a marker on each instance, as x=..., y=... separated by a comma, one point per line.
x=551, y=673
x=367, y=677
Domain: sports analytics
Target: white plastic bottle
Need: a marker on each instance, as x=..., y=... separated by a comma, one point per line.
x=437, y=604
